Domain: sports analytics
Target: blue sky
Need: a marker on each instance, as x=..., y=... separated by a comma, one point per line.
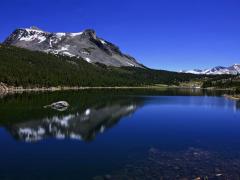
x=162, y=34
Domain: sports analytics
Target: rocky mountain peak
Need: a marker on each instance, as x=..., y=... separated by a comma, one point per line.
x=85, y=45
x=90, y=33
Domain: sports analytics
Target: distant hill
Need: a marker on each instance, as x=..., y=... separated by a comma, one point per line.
x=219, y=70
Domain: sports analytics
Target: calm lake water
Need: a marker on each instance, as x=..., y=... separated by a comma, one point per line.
x=121, y=134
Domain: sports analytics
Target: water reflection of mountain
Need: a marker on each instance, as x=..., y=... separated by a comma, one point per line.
x=91, y=112
x=83, y=125
x=88, y=115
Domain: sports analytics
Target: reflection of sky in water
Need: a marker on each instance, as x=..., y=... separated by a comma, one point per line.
x=193, y=101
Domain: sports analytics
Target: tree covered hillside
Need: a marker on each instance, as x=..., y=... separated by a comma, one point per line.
x=21, y=67
x=227, y=81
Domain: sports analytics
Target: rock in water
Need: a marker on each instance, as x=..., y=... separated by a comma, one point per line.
x=59, y=106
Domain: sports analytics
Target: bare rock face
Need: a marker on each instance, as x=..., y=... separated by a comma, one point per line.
x=84, y=45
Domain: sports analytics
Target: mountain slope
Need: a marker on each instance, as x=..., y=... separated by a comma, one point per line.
x=83, y=44
x=219, y=70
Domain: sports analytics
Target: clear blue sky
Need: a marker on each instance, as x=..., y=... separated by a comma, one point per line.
x=162, y=34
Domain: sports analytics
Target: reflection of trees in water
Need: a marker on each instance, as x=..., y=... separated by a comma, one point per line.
x=88, y=115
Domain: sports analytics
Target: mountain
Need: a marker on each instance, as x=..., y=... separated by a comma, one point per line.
x=85, y=45
x=219, y=70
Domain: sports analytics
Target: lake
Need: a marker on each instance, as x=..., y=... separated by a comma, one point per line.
x=120, y=134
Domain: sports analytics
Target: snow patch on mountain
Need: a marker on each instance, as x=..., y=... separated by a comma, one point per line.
x=38, y=35
x=76, y=34
x=87, y=59
x=60, y=34
x=68, y=54
x=102, y=41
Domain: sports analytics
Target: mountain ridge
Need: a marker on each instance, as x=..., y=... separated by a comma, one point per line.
x=85, y=45
x=218, y=70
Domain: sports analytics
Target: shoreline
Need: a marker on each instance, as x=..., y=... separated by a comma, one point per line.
x=9, y=90
x=233, y=97
x=5, y=89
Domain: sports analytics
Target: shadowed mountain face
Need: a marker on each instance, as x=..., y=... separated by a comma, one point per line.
x=84, y=45
x=85, y=118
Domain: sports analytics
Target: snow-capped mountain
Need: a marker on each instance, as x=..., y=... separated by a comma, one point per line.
x=82, y=44
x=234, y=69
